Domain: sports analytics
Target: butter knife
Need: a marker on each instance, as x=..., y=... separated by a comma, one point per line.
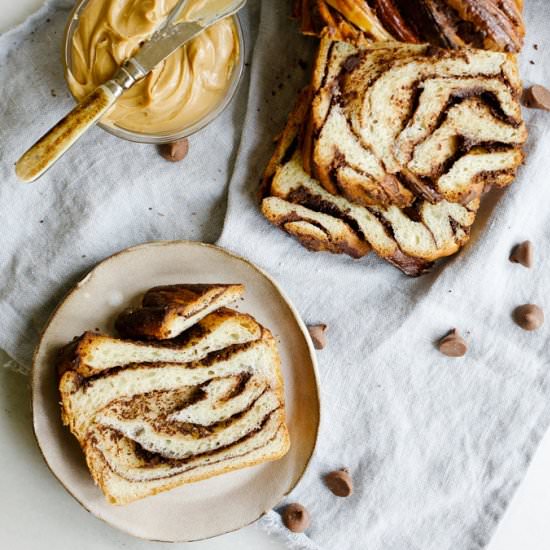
x=173, y=34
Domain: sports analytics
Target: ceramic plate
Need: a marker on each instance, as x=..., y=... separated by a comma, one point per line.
x=217, y=505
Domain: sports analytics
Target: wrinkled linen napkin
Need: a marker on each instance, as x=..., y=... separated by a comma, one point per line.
x=436, y=446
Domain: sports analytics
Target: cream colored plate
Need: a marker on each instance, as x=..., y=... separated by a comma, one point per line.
x=217, y=505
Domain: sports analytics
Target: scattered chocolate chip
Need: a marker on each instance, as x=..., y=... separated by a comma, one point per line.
x=529, y=316
x=318, y=335
x=175, y=151
x=523, y=254
x=52, y=92
x=302, y=64
x=340, y=483
x=296, y=518
x=537, y=97
x=453, y=345
x=531, y=62
x=536, y=46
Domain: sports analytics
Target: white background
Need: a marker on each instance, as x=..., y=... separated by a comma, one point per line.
x=36, y=512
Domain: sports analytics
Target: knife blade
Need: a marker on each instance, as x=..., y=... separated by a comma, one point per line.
x=174, y=33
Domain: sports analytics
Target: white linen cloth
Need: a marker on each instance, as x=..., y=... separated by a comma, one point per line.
x=436, y=446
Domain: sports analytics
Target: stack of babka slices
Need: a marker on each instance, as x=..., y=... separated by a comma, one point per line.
x=193, y=390
x=391, y=148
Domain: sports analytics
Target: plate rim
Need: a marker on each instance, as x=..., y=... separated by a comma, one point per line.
x=233, y=255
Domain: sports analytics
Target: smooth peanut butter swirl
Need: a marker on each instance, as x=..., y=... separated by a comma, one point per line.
x=178, y=92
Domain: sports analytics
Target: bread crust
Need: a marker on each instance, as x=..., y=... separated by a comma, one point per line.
x=487, y=24
x=164, y=308
x=103, y=474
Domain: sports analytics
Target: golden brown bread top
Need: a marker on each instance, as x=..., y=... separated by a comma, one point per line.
x=183, y=296
x=488, y=24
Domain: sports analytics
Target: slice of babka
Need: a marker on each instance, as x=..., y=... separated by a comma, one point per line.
x=391, y=123
x=169, y=310
x=483, y=24
x=151, y=416
x=93, y=353
x=410, y=238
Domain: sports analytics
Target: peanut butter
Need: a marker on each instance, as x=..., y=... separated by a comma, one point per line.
x=180, y=91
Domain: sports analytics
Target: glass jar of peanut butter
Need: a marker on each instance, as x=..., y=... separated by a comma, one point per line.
x=181, y=95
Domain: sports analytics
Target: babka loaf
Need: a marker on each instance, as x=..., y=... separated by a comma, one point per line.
x=169, y=310
x=410, y=238
x=392, y=123
x=487, y=24
x=151, y=416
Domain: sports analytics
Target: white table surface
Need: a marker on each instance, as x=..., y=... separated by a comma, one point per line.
x=36, y=512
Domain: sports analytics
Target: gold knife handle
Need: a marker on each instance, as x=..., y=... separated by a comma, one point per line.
x=66, y=132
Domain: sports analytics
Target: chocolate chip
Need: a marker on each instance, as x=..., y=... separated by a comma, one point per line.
x=537, y=97
x=318, y=335
x=340, y=483
x=453, y=345
x=523, y=254
x=351, y=62
x=296, y=518
x=529, y=316
x=175, y=151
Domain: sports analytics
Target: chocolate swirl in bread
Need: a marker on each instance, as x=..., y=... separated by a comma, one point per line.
x=488, y=24
x=151, y=416
x=92, y=353
x=410, y=238
x=392, y=123
x=166, y=311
